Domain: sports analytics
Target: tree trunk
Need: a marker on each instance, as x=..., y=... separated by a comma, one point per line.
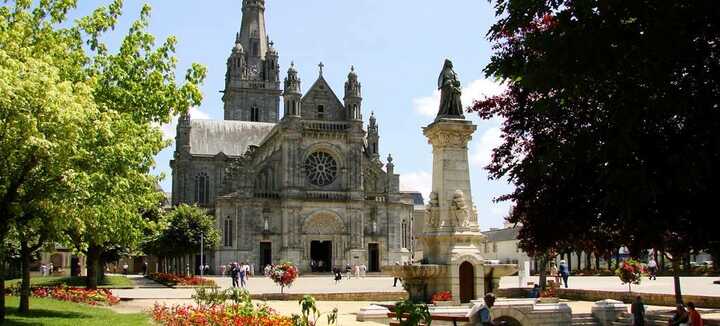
x=2, y=286
x=569, y=262
x=579, y=263
x=26, y=256
x=661, y=266
x=93, y=256
x=588, y=260
x=676, y=279
x=542, y=270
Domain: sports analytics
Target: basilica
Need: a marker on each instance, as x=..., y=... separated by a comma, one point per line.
x=307, y=186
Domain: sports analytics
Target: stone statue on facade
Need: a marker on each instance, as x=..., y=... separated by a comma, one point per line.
x=449, y=86
x=432, y=215
x=460, y=209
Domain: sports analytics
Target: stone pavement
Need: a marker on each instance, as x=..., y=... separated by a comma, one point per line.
x=258, y=285
x=689, y=285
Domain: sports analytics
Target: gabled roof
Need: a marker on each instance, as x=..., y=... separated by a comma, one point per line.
x=318, y=86
x=210, y=137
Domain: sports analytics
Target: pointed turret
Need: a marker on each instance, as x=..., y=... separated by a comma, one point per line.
x=373, y=138
x=353, y=97
x=272, y=67
x=292, y=93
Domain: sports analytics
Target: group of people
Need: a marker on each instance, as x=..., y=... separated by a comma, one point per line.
x=681, y=317
x=239, y=273
x=47, y=270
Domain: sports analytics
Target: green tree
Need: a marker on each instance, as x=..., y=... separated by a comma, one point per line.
x=610, y=123
x=79, y=124
x=181, y=230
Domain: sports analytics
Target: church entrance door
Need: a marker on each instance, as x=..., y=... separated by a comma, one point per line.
x=321, y=254
x=265, y=254
x=373, y=257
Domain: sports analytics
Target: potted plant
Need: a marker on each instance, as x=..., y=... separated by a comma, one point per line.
x=283, y=275
x=630, y=272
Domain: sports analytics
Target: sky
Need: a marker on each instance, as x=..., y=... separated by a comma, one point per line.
x=397, y=47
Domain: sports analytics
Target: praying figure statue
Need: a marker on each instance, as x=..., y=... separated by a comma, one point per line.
x=449, y=86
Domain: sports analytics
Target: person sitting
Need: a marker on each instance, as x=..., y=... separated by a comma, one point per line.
x=680, y=318
x=484, y=314
x=694, y=316
x=638, y=311
x=535, y=292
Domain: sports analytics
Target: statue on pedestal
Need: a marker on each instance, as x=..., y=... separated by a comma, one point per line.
x=449, y=86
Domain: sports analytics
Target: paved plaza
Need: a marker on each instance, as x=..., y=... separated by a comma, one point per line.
x=262, y=285
x=663, y=285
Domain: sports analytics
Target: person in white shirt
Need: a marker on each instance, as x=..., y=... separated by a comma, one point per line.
x=652, y=269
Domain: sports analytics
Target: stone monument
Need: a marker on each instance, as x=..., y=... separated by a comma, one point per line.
x=452, y=238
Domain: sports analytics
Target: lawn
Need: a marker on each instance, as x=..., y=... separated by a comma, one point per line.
x=109, y=282
x=61, y=313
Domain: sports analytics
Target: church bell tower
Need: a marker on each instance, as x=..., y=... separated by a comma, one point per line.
x=252, y=84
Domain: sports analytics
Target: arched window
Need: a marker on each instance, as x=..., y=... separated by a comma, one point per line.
x=228, y=232
x=202, y=188
x=254, y=114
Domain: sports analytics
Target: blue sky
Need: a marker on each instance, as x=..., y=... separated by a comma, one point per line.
x=397, y=48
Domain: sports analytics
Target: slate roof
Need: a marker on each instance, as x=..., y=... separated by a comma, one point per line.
x=506, y=234
x=416, y=197
x=210, y=137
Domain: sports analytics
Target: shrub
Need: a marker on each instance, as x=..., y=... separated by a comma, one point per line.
x=408, y=313
x=220, y=315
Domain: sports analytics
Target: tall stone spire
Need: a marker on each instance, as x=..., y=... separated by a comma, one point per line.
x=253, y=35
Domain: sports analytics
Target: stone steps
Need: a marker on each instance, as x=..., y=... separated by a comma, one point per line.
x=583, y=320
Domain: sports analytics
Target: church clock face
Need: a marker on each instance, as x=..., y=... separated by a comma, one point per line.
x=321, y=168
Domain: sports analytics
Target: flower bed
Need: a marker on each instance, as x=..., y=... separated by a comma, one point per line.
x=174, y=280
x=79, y=295
x=221, y=315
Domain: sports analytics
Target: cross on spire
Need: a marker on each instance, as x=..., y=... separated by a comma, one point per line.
x=321, y=65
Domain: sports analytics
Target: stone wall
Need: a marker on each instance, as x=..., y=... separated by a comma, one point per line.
x=596, y=295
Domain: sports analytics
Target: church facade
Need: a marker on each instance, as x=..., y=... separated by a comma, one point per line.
x=308, y=186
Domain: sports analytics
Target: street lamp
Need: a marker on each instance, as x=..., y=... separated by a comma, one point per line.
x=202, y=265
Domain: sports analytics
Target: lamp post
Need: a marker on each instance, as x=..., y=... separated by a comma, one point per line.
x=202, y=265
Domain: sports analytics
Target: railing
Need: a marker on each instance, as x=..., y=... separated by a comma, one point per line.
x=331, y=126
x=326, y=195
x=267, y=195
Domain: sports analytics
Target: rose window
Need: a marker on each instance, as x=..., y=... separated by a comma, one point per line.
x=321, y=168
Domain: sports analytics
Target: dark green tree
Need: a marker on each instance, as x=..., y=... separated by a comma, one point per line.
x=180, y=231
x=610, y=123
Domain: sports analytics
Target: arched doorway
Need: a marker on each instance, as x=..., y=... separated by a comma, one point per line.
x=467, y=282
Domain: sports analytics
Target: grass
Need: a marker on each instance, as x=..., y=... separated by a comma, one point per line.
x=109, y=282
x=61, y=313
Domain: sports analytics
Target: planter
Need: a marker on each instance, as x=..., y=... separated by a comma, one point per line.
x=444, y=303
x=549, y=300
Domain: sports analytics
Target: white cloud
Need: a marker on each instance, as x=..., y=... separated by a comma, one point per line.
x=170, y=128
x=477, y=89
x=417, y=181
x=481, y=153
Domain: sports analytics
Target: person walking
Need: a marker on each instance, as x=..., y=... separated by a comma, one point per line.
x=243, y=274
x=638, y=311
x=395, y=279
x=652, y=269
x=144, y=268
x=555, y=273
x=338, y=275
x=125, y=269
x=564, y=272
x=234, y=274
x=363, y=270
x=694, y=315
